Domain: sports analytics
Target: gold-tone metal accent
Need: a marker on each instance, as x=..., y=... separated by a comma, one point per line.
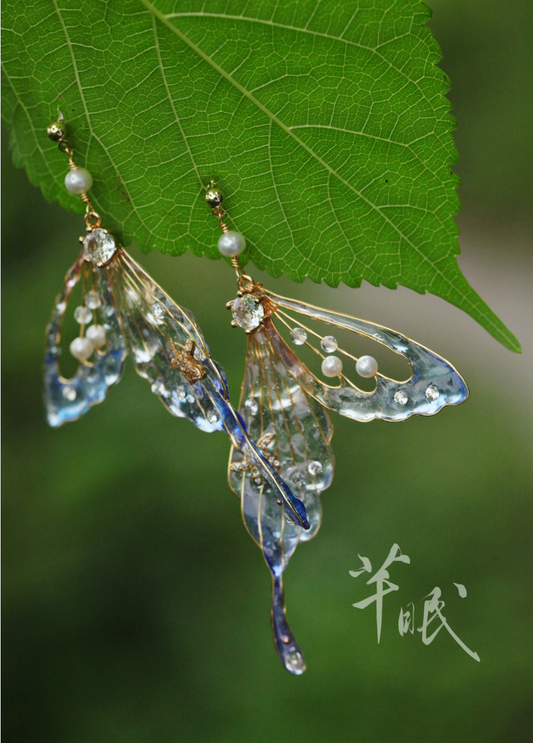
x=214, y=196
x=246, y=464
x=55, y=131
x=186, y=364
x=92, y=219
x=65, y=147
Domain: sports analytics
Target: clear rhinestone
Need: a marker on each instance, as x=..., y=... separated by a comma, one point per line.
x=297, y=478
x=401, y=397
x=83, y=315
x=251, y=406
x=181, y=392
x=212, y=417
x=190, y=399
x=314, y=468
x=298, y=336
x=329, y=344
x=69, y=393
x=158, y=388
x=92, y=300
x=99, y=247
x=432, y=393
x=248, y=312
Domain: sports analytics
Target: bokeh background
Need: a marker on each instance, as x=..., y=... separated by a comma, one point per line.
x=136, y=607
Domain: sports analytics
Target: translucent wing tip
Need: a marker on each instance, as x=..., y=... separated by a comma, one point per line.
x=288, y=649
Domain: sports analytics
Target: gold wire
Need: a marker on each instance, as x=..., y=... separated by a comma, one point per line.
x=92, y=218
x=242, y=279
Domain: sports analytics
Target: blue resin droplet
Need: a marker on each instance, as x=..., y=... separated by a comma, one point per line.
x=288, y=649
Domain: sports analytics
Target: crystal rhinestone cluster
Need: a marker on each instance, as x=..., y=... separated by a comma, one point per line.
x=99, y=247
x=248, y=312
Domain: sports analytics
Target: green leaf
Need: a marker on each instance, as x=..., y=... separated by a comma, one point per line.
x=324, y=122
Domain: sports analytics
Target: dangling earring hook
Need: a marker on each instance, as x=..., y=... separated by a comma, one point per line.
x=78, y=180
x=231, y=244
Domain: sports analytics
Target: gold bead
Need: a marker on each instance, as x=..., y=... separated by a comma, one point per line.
x=55, y=131
x=213, y=197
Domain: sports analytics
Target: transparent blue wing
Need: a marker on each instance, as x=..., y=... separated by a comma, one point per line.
x=68, y=399
x=294, y=431
x=433, y=384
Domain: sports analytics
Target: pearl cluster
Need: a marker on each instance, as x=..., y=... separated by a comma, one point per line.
x=95, y=336
x=366, y=366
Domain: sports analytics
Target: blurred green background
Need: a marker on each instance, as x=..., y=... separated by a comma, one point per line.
x=136, y=607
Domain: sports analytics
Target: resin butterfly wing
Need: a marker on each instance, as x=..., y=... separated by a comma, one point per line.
x=156, y=330
x=294, y=432
x=68, y=399
x=433, y=384
x=168, y=349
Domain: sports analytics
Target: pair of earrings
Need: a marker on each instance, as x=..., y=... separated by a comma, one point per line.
x=281, y=431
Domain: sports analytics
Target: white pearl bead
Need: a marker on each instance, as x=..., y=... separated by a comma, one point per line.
x=331, y=366
x=96, y=334
x=78, y=181
x=81, y=348
x=366, y=366
x=231, y=243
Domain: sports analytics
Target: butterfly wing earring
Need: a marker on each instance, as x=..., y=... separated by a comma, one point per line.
x=286, y=406
x=294, y=432
x=131, y=313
